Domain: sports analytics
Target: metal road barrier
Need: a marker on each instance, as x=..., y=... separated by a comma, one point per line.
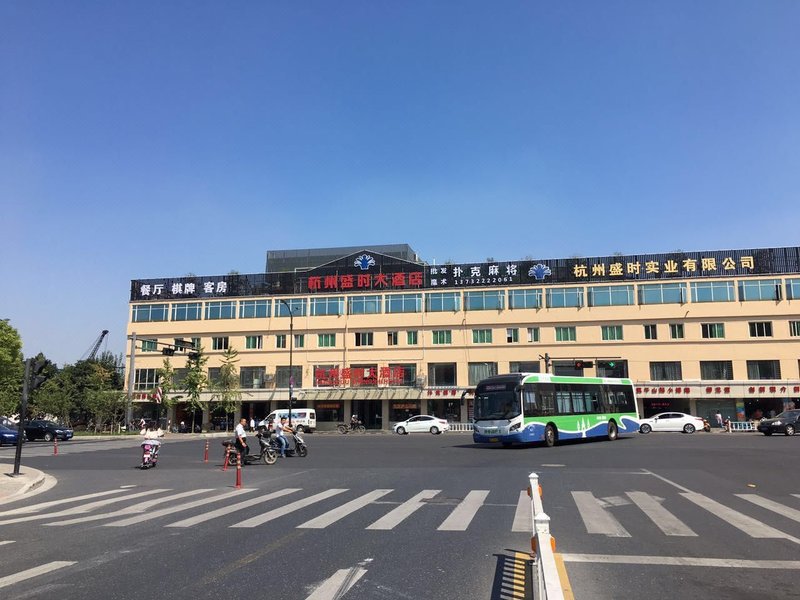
x=741, y=426
x=547, y=581
x=460, y=426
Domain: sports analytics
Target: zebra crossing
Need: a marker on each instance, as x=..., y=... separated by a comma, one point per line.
x=127, y=506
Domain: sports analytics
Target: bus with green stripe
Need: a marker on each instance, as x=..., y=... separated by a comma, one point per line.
x=537, y=407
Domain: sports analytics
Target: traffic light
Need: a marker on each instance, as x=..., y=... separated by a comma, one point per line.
x=38, y=376
x=606, y=364
x=168, y=351
x=583, y=364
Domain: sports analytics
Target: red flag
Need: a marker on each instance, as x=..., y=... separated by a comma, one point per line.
x=157, y=395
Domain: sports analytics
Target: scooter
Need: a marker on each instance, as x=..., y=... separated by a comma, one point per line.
x=298, y=448
x=266, y=454
x=150, y=453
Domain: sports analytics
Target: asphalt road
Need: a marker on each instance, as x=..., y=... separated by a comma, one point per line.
x=391, y=517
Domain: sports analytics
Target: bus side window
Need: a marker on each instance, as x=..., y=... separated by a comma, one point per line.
x=546, y=399
x=563, y=399
x=530, y=407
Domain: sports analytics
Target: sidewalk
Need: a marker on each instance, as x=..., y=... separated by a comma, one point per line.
x=29, y=481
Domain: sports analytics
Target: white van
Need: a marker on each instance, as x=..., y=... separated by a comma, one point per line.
x=303, y=419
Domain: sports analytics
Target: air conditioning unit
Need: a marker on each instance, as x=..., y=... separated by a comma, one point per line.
x=420, y=382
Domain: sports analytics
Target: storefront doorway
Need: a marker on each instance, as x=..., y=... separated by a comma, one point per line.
x=369, y=413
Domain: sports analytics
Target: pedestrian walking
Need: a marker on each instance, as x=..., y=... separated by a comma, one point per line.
x=720, y=422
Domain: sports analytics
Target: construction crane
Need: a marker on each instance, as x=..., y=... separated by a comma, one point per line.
x=92, y=353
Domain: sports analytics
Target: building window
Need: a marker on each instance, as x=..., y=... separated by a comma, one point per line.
x=412, y=338
x=284, y=377
x=364, y=338
x=187, y=311
x=219, y=343
x=333, y=305
x=252, y=378
x=665, y=371
x=280, y=340
x=442, y=336
x=533, y=334
x=676, y=331
x=716, y=369
x=761, y=329
x=255, y=309
x=712, y=330
x=564, y=297
x=713, y=291
x=481, y=370
x=146, y=313
x=297, y=306
x=611, y=295
x=364, y=305
x=253, y=342
x=523, y=367
x=149, y=346
x=221, y=310
x=650, y=332
x=759, y=289
x=145, y=379
x=565, y=334
x=794, y=328
x=763, y=369
x=403, y=303
x=391, y=338
x=611, y=332
x=793, y=289
x=441, y=374
x=527, y=298
x=484, y=300
x=662, y=293
x=481, y=336
x=443, y=302
x=404, y=375
x=512, y=335
x=326, y=340
x=299, y=340
x=214, y=375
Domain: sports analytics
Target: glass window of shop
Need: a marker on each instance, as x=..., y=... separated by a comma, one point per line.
x=255, y=309
x=329, y=411
x=403, y=374
x=441, y=374
x=282, y=376
x=297, y=306
x=326, y=375
x=187, y=311
x=364, y=375
x=403, y=303
x=481, y=370
x=759, y=289
x=494, y=300
x=716, y=369
x=662, y=293
x=524, y=367
x=252, y=378
x=527, y=298
x=364, y=305
x=611, y=295
x=443, y=302
x=221, y=310
x=400, y=411
x=147, y=313
x=564, y=297
x=713, y=291
x=333, y=305
x=763, y=369
x=665, y=371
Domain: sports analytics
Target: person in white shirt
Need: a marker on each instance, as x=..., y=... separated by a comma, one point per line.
x=241, y=438
x=280, y=427
x=252, y=424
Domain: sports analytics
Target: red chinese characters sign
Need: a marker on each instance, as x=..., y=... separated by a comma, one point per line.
x=359, y=376
x=365, y=281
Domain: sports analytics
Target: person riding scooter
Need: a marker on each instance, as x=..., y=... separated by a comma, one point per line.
x=280, y=428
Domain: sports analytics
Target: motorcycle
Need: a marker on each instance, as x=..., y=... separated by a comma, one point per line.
x=298, y=448
x=356, y=427
x=267, y=453
x=149, y=453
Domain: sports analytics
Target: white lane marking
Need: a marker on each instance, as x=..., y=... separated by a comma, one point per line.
x=683, y=561
x=597, y=519
x=83, y=508
x=660, y=516
x=225, y=510
x=341, y=512
x=791, y=513
x=463, y=514
x=2, y=543
x=289, y=508
x=396, y=516
x=665, y=480
x=522, y=517
x=43, y=505
x=752, y=527
x=34, y=572
x=131, y=510
x=178, y=508
x=338, y=584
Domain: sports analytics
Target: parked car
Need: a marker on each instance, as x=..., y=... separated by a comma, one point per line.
x=672, y=421
x=787, y=423
x=9, y=436
x=420, y=424
x=46, y=430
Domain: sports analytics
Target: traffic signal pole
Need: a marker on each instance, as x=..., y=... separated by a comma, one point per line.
x=22, y=414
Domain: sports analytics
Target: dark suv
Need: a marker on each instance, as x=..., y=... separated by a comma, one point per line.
x=787, y=423
x=46, y=430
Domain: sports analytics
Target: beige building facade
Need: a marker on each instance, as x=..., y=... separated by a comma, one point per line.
x=380, y=333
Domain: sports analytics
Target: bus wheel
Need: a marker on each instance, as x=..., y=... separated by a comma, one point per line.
x=612, y=431
x=550, y=436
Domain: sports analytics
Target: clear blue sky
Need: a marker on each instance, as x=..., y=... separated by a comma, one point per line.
x=154, y=139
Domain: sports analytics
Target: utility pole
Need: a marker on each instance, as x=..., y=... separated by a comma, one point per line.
x=291, y=347
x=131, y=379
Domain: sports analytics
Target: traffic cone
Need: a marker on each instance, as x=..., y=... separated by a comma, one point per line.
x=239, y=471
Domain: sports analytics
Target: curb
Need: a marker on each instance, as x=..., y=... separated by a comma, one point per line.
x=36, y=482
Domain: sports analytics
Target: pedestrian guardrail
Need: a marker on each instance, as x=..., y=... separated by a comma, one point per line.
x=460, y=426
x=741, y=426
x=547, y=581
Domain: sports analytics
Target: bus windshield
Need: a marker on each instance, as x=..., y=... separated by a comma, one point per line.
x=496, y=405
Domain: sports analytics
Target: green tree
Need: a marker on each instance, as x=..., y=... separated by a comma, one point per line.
x=12, y=369
x=106, y=407
x=226, y=391
x=166, y=380
x=196, y=381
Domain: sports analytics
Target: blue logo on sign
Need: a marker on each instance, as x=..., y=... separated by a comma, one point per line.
x=539, y=271
x=364, y=262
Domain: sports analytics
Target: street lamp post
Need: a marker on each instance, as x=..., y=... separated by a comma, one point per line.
x=291, y=347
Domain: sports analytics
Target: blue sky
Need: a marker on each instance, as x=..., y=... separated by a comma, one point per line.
x=156, y=139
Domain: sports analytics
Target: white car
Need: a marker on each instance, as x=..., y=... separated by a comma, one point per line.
x=672, y=421
x=422, y=424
